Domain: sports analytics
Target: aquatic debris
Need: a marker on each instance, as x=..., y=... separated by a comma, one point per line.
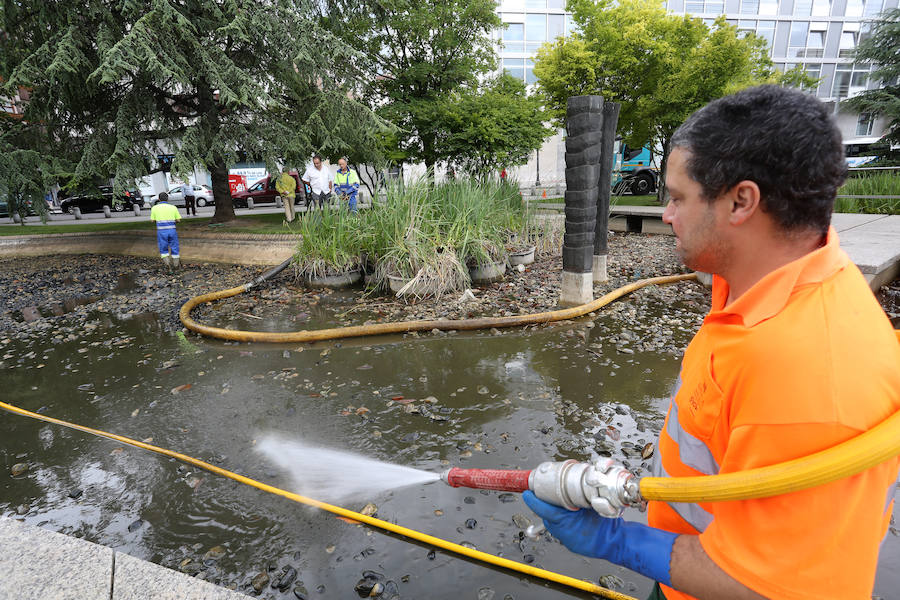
x=647, y=451
x=369, y=510
x=18, y=469
x=182, y=388
x=135, y=525
x=471, y=523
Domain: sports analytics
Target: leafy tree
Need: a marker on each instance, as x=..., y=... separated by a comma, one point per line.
x=882, y=48
x=115, y=82
x=418, y=53
x=497, y=125
x=661, y=67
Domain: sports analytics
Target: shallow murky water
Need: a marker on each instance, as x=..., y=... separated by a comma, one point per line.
x=480, y=400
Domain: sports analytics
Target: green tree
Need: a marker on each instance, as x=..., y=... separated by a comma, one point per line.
x=417, y=54
x=496, y=125
x=882, y=48
x=661, y=67
x=114, y=83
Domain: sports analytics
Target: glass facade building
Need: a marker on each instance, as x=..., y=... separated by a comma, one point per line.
x=819, y=35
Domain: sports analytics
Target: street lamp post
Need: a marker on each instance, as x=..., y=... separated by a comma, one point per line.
x=537, y=169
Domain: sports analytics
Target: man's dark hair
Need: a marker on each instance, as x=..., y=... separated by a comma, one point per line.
x=163, y=197
x=782, y=139
x=315, y=156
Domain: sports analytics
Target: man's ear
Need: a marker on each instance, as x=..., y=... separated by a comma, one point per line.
x=744, y=198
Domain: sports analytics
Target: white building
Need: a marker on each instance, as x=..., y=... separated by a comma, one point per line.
x=818, y=34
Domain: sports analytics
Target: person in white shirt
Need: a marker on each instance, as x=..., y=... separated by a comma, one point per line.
x=320, y=180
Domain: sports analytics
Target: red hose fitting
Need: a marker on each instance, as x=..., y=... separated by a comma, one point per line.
x=503, y=480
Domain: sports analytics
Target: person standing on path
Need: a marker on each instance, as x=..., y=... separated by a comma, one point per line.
x=320, y=181
x=794, y=357
x=190, y=200
x=286, y=186
x=346, y=182
x=165, y=216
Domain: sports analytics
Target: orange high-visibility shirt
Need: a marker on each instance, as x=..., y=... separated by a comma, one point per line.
x=801, y=362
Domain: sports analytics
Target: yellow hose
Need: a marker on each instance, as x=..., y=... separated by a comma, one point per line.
x=857, y=454
x=342, y=512
x=404, y=326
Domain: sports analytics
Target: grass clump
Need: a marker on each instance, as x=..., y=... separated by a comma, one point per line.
x=870, y=183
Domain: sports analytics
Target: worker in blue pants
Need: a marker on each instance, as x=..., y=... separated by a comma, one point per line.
x=165, y=216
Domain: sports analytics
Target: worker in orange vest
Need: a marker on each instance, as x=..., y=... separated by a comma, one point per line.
x=795, y=356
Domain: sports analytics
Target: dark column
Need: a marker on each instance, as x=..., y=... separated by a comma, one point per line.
x=607, y=158
x=584, y=122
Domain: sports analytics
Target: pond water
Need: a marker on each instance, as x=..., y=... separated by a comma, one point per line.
x=481, y=399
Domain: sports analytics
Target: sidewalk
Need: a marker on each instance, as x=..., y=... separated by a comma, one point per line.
x=40, y=565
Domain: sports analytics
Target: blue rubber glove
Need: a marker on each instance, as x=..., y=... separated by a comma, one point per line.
x=635, y=546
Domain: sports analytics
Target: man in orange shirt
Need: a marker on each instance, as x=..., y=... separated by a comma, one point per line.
x=794, y=357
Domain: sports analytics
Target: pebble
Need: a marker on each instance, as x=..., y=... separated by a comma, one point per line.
x=471, y=523
x=507, y=497
x=486, y=593
x=135, y=525
x=22, y=509
x=369, y=510
x=469, y=500
x=18, y=469
x=214, y=553
x=259, y=581
x=521, y=521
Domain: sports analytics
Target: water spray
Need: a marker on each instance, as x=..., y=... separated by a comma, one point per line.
x=600, y=484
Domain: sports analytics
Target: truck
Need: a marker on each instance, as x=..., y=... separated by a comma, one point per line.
x=633, y=170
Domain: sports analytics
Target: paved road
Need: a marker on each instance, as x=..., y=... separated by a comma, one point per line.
x=128, y=216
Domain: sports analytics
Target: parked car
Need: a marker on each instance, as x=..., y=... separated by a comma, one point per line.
x=4, y=208
x=203, y=194
x=95, y=200
x=264, y=192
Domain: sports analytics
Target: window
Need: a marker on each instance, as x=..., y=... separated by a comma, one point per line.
x=864, y=124
x=535, y=31
x=816, y=8
x=556, y=26
x=744, y=27
x=513, y=38
x=848, y=43
x=768, y=7
x=849, y=80
x=556, y=4
x=513, y=5
x=529, y=72
x=797, y=40
x=873, y=7
x=571, y=26
x=515, y=67
x=814, y=71
x=766, y=30
x=704, y=7
x=749, y=7
x=538, y=4
x=854, y=8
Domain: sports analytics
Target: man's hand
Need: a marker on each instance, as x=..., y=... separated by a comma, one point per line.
x=638, y=547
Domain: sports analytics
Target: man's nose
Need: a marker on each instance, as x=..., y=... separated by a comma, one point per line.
x=668, y=213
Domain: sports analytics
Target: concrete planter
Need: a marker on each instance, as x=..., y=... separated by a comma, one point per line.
x=523, y=257
x=400, y=286
x=488, y=273
x=341, y=280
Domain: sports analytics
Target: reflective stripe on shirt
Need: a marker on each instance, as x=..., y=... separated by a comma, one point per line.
x=692, y=452
x=698, y=517
x=165, y=225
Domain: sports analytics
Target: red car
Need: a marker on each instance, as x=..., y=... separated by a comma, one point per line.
x=264, y=192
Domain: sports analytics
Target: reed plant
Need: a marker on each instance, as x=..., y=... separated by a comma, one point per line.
x=871, y=184
x=332, y=241
x=428, y=234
